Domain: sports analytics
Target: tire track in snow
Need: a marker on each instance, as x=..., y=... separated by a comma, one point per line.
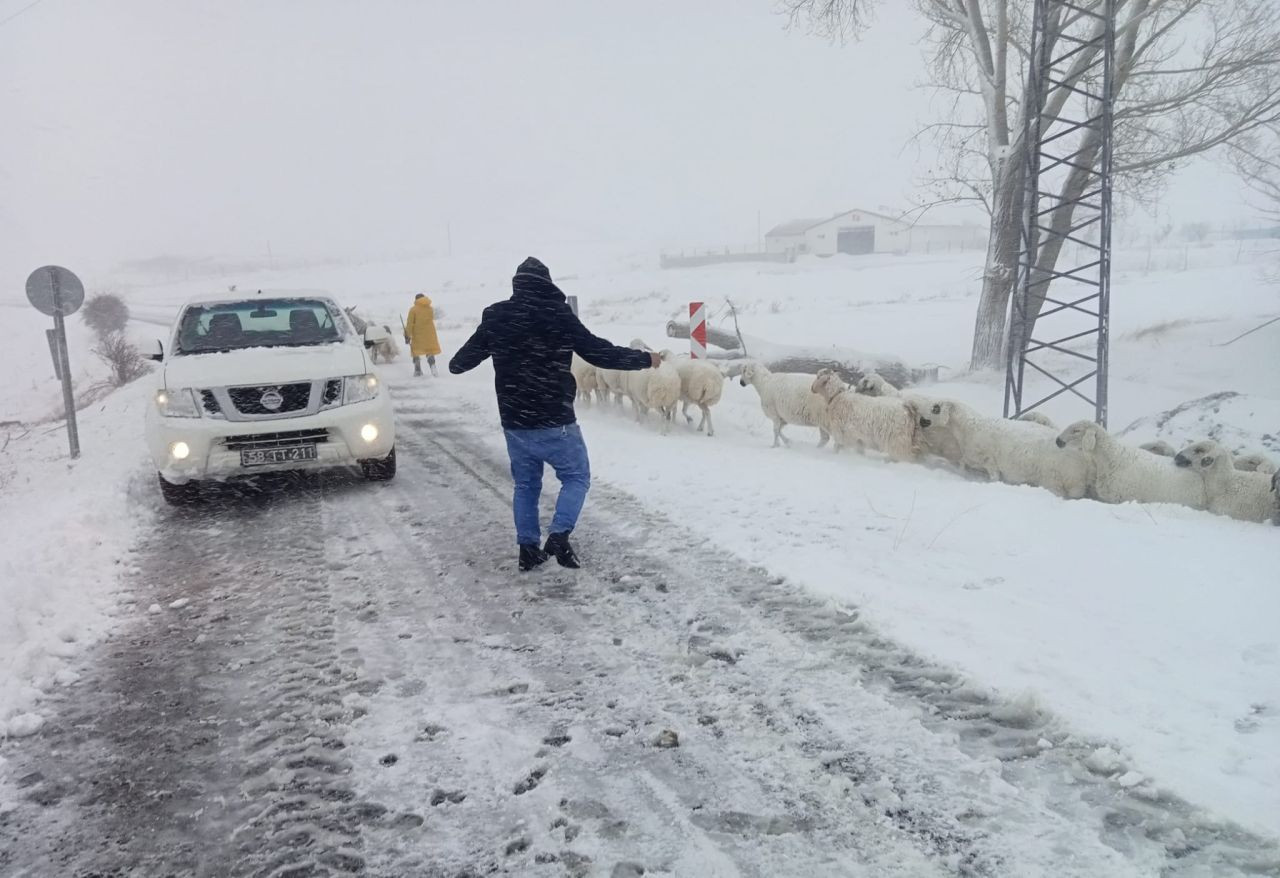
x=1151, y=829
x=208, y=739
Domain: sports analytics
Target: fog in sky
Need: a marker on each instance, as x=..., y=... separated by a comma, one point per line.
x=221, y=127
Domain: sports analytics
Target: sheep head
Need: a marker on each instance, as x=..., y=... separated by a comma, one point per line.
x=749, y=374
x=827, y=384
x=931, y=413
x=1203, y=455
x=666, y=356
x=1082, y=435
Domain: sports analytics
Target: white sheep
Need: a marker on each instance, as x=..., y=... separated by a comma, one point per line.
x=586, y=376
x=701, y=384
x=1159, y=447
x=786, y=399
x=884, y=423
x=655, y=389
x=1037, y=418
x=611, y=383
x=1228, y=491
x=874, y=384
x=1012, y=451
x=1255, y=462
x=1123, y=473
x=1275, y=499
x=939, y=443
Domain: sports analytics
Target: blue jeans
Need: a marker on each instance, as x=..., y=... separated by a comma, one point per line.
x=530, y=450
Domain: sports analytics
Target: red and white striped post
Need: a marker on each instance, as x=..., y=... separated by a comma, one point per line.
x=697, y=330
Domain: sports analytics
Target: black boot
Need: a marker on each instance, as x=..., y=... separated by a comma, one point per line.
x=531, y=556
x=558, y=545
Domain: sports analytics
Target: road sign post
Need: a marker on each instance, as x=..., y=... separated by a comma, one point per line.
x=57, y=292
x=51, y=336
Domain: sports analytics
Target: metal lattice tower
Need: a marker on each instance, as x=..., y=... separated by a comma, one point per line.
x=1068, y=160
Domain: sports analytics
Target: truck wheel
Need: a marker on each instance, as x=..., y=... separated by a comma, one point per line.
x=179, y=495
x=383, y=470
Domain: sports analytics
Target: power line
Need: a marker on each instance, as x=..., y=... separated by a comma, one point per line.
x=33, y=3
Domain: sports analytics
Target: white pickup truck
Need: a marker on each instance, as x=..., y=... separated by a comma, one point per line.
x=266, y=383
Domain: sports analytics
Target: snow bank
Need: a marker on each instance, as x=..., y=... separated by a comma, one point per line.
x=67, y=527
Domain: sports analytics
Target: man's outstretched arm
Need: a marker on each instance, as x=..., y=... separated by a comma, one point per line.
x=606, y=355
x=473, y=353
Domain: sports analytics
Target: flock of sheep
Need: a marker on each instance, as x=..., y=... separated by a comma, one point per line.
x=1081, y=461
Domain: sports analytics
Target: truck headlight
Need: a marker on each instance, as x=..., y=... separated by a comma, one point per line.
x=177, y=403
x=359, y=388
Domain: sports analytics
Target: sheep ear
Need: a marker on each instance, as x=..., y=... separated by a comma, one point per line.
x=1090, y=441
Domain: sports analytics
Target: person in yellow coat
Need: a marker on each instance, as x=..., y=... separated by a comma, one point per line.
x=420, y=334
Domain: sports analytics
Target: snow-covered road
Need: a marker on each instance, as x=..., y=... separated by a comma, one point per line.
x=343, y=677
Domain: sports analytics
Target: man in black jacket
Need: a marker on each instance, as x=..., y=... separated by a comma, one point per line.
x=532, y=338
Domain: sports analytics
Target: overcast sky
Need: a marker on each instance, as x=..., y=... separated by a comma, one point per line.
x=203, y=127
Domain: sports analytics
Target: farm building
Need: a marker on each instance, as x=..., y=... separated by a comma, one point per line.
x=864, y=231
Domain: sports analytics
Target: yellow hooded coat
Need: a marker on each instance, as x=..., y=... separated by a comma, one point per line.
x=420, y=329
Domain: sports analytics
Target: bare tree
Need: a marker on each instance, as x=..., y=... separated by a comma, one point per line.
x=1191, y=76
x=121, y=357
x=1257, y=159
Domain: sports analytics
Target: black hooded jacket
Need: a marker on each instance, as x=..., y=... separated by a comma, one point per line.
x=532, y=337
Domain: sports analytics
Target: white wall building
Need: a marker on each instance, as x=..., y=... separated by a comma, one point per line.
x=863, y=231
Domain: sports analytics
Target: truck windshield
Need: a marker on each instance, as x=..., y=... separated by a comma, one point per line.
x=257, y=323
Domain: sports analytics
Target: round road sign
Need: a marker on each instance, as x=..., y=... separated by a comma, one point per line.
x=55, y=290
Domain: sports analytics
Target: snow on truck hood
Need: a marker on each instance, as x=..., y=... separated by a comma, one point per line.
x=277, y=365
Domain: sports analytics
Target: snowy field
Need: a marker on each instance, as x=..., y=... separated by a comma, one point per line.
x=1149, y=631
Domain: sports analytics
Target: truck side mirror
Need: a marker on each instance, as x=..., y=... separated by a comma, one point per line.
x=374, y=334
x=151, y=350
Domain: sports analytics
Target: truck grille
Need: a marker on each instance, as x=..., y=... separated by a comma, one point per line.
x=248, y=400
x=255, y=441
x=210, y=403
x=332, y=392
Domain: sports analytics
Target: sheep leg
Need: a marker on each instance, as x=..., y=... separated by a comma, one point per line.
x=685, y=411
x=823, y=437
x=778, y=424
x=706, y=419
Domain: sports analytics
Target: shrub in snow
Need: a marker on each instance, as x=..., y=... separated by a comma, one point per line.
x=1242, y=495
x=884, y=423
x=1122, y=473
x=1014, y=452
x=121, y=357
x=105, y=313
x=786, y=399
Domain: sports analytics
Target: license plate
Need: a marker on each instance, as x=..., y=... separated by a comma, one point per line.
x=264, y=456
